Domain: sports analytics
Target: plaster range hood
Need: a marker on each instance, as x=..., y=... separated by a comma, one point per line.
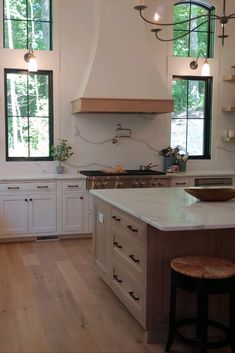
x=120, y=76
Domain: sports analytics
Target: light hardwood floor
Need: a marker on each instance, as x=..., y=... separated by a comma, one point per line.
x=51, y=300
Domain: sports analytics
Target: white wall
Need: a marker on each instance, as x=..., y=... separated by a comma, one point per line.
x=91, y=135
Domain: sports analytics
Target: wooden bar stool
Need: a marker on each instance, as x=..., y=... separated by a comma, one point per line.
x=202, y=275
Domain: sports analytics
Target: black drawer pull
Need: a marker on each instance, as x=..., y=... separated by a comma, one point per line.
x=42, y=186
x=180, y=183
x=116, y=218
x=117, y=279
x=73, y=186
x=132, y=257
x=119, y=246
x=133, y=296
x=132, y=229
x=13, y=187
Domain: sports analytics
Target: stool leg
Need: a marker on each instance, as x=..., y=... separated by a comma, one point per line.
x=171, y=329
x=199, y=307
x=203, y=320
x=232, y=320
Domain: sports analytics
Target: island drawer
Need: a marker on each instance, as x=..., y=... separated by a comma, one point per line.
x=129, y=291
x=129, y=224
x=130, y=252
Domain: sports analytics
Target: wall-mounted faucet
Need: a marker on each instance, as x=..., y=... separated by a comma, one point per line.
x=121, y=132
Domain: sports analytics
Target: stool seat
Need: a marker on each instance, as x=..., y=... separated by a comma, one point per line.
x=202, y=275
x=203, y=267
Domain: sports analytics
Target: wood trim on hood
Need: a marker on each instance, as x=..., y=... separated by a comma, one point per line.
x=115, y=105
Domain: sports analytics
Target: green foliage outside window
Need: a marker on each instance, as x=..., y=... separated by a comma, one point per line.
x=201, y=38
x=27, y=24
x=190, y=122
x=28, y=114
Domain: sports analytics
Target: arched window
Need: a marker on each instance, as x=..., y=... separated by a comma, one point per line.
x=203, y=36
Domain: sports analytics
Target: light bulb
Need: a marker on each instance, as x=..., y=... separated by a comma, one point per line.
x=32, y=64
x=156, y=16
x=205, y=69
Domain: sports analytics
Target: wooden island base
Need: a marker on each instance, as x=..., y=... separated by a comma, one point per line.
x=134, y=260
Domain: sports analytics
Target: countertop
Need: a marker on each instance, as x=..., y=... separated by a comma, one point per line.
x=170, y=209
x=41, y=177
x=203, y=173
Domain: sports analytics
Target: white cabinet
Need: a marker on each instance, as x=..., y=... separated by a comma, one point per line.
x=14, y=215
x=42, y=213
x=73, y=206
x=26, y=209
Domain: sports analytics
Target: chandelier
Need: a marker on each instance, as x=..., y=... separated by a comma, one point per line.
x=223, y=19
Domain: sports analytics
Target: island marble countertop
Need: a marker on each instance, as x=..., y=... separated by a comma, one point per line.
x=170, y=209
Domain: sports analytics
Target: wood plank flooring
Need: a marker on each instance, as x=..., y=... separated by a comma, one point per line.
x=52, y=301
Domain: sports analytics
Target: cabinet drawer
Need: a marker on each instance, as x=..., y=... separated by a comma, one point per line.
x=129, y=224
x=73, y=185
x=130, y=252
x=181, y=182
x=130, y=292
x=16, y=187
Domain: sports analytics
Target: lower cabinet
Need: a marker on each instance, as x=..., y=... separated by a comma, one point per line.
x=73, y=212
x=43, y=208
x=120, y=256
x=28, y=214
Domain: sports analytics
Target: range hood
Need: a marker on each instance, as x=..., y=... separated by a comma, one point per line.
x=120, y=76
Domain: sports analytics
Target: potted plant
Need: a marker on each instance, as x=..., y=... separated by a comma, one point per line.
x=61, y=153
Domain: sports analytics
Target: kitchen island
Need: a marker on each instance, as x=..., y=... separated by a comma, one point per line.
x=136, y=234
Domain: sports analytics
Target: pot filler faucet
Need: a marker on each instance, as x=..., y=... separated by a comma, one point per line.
x=148, y=166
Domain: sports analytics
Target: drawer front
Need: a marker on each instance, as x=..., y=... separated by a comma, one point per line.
x=73, y=185
x=130, y=292
x=131, y=252
x=16, y=187
x=181, y=182
x=129, y=224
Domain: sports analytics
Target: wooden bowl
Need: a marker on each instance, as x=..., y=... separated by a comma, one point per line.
x=212, y=194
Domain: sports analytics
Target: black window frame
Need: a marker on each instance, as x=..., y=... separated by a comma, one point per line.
x=207, y=112
x=211, y=29
x=29, y=43
x=49, y=73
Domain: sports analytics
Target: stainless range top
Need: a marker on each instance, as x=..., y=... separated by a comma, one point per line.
x=129, y=179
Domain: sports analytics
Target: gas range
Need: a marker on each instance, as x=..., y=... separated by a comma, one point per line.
x=128, y=179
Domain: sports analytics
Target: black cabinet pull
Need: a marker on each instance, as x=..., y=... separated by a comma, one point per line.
x=117, y=279
x=133, y=296
x=119, y=246
x=13, y=187
x=73, y=186
x=30, y=200
x=81, y=198
x=132, y=257
x=42, y=186
x=116, y=218
x=132, y=229
x=26, y=200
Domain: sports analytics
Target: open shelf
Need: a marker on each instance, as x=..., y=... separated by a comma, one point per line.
x=228, y=139
x=228, y=109
x=229, y=78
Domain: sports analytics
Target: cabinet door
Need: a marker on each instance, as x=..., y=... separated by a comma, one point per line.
x=14, y=214
x=42, y=213
x=73, y=212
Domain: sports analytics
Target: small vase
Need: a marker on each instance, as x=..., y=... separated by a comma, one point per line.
x=59, y=169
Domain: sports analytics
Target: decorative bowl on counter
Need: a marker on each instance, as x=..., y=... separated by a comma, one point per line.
x=212, y=193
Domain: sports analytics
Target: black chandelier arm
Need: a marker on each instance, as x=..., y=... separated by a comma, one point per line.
x=231, y=16
x=181, y=36
x=209, y=18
